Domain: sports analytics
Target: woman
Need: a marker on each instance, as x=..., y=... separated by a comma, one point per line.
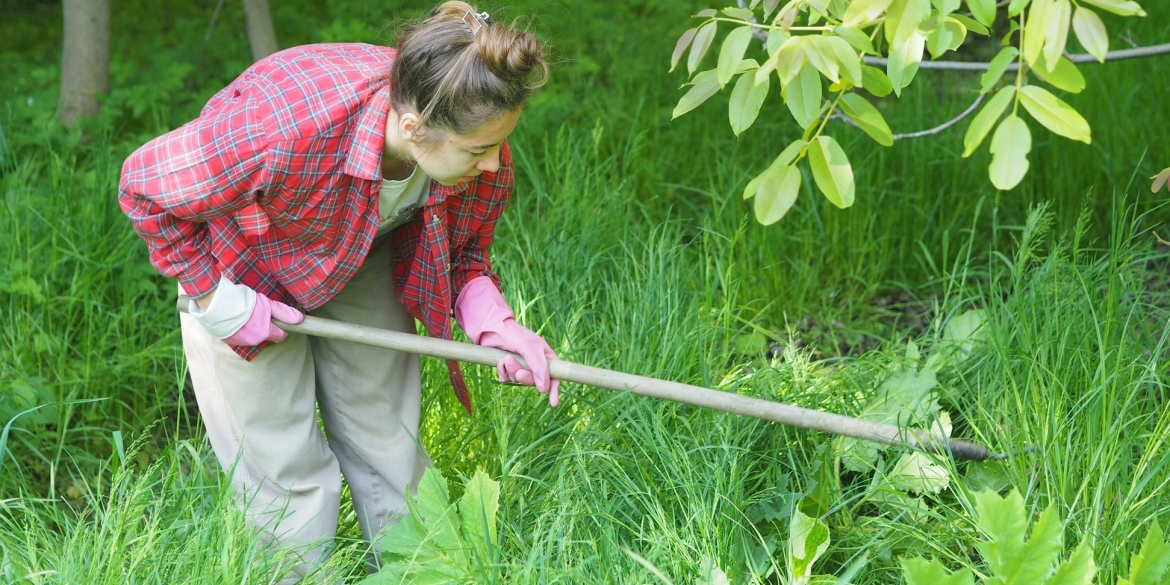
x=363, y=184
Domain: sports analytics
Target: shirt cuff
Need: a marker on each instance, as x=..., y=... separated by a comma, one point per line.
x=230, y=309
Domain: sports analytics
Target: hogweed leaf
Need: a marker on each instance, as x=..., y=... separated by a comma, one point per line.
x=1055, y=114
x=680, y=47
x=1091, y=33
x=919, y=571
x=1079, y=569
x=868, y=118
x=734, y=46
x=477, y=511
x=1148, y=566
x=831, y=171
x=1009, y=153
x=711, y=574
x=1014, y=561
x=808, y=539
x=985, y=120
x=746, y=99
x=915, y=472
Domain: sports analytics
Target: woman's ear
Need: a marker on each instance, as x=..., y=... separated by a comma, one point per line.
x=408, y=126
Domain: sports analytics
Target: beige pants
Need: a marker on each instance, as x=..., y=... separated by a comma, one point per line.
x=261, y=417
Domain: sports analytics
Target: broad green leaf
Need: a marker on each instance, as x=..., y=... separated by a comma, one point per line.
x=983, y=11
x=861, y=12
x=1064, y=76
x=1121, y=7
x=477, y=510
x=938, y=41
x=1079, y=569
x=915, y=472
x=1148, y=566
x=1091, y=33
x=919, y=571
x=711, y=574
x=1034, y=30
x=681, y=46
x=769, y=7
x=958, y=33
x=903, y=18
x=904, y=60
x=437, y=513
x=831, y=171
x=1056, y=33
x=746, y=99
x=1017, y=6
x=790, y=59
x=788, y=156
x=804, y=96
x=874, y=81
x=703, y=87
x=958, y=339
x=997, y=67
x=776, y=38
x=820, y=6
x=1009, y=153
x=1010, y=558
x=1054, y=114
x=706, y=13
x=970, y=24
x=986, y=118
x=867, y=118
x=776, y=193
x=845, y=55
x=856, y=39
x=702, y=43
x=808, y=539
x=734, y=46
x=821, y=55
x=945, y=7
x=905, y=396
x=1160, y=179
x=737, y=12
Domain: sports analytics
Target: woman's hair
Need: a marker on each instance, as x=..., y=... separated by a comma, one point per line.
x=458, y=70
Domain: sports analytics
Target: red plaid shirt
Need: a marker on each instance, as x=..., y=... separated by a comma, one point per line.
x=276, y=185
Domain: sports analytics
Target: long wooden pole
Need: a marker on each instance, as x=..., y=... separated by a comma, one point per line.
x=787, y=414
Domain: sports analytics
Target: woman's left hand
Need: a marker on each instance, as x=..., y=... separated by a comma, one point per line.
x=516, y=338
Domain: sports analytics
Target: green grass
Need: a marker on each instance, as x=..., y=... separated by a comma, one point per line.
x=628, y=246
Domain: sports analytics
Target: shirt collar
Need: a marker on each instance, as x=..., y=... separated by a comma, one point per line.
x=364, y=159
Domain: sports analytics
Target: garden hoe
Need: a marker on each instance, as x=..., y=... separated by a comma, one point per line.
x=787, y=414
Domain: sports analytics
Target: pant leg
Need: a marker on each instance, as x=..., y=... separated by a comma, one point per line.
x=370, y=397
x=261, y=418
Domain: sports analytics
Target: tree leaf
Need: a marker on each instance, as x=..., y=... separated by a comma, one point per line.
x=938, y=41
x=904, y=60
x=856, y=38
x=862, y=12
x=822, y=56
x=804, y=96
x=958, y=33
x=776, y=193
x=734, y=46
x=945, y=7
x=1009, y=153
x=868, y=118
x=702, y=43
x=919, y=571
x=746, y=99
x=681, y=46
x=788, y=156
x=1056, y=33
x=1064, y=76
x=1017, y=6
x=790, y=59
x=1055, y=114
x=1120, y=7
x=1079, y=569
x=706, y=13
x=845, y=55
x=703, y=86
x=985, y=120
x=997, y=68
x=903, y=19
x=971, y=24
x=776, y=38
x=1035, y=28
x=1160, y=179
x=1091, y=33
x=740, y=13
x=983, y=11
x=874, y=81
x=831, y=171
x=808, y=539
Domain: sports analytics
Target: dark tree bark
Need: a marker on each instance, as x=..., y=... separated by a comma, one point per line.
x=261, y=34
x=85, y=58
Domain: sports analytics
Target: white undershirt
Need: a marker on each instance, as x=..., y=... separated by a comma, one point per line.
x=399, y=200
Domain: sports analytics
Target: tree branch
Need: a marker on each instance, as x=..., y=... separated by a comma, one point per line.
x=1139, y=52
x=936, y=130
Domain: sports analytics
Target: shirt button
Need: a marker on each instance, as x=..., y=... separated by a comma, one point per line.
x=435, y=219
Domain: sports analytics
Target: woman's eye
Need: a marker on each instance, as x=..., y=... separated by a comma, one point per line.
x=473, y=153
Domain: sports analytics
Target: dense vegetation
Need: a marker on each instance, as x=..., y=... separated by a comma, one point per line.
x=628, y=246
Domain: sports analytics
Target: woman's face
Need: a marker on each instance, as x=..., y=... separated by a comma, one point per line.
x=451, y=158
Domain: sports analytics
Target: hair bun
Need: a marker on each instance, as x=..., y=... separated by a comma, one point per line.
x=510, y=54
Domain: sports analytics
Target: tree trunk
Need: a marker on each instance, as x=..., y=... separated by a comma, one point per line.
x=85, y=58
x=261, y=35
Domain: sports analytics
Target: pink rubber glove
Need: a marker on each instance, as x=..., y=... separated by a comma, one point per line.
x=259, y=327
x=483, y=314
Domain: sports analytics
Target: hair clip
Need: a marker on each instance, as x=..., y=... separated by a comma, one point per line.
x=481, y=20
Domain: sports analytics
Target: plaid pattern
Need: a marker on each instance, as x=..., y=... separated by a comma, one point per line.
x=276, y=184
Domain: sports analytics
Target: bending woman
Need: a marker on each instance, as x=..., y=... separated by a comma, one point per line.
x=358, y=183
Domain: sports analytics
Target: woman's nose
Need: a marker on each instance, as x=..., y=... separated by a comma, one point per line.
x=490, y=164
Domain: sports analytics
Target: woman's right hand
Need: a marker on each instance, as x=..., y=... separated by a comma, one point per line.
x=240, y=316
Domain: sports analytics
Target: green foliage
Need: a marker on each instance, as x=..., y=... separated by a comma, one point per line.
x=444, y=542
x=1148, y=565
x=808, y=40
